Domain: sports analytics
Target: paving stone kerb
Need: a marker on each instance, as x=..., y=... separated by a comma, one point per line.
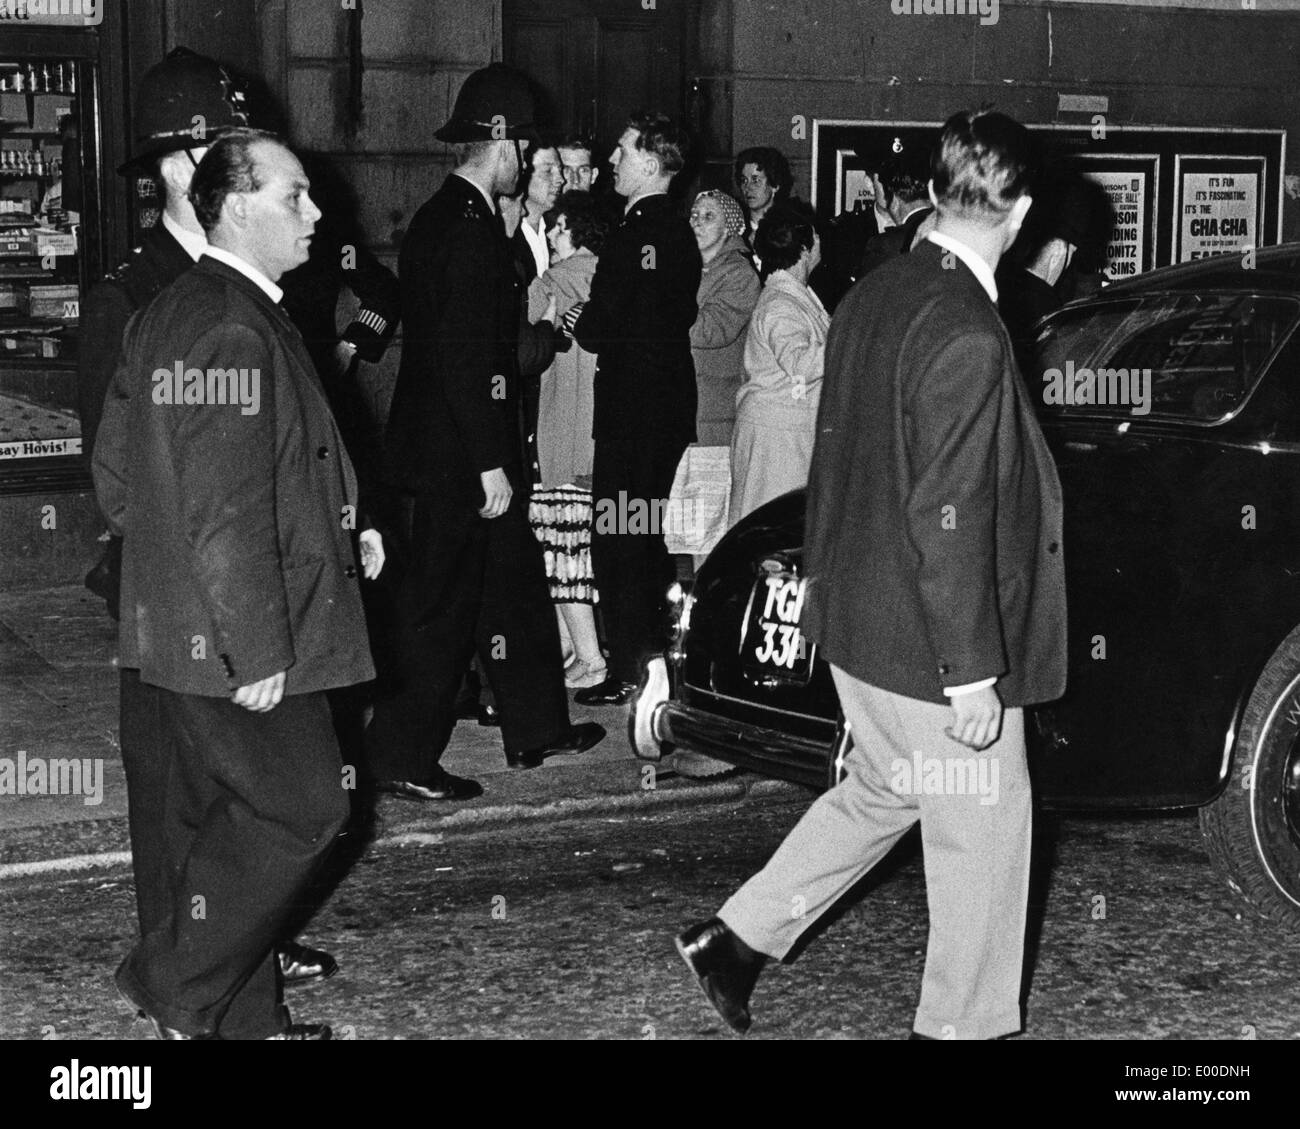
x=105, y=843
x=58, y=698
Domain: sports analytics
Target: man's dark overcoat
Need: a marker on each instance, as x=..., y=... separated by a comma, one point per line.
x=933, y=545
x=638, y=321
x=238, y=559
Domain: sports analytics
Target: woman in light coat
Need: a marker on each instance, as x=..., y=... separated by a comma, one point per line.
x=776, y=407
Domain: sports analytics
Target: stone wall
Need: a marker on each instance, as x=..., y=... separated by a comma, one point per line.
x=857, y=59
x=416, y=54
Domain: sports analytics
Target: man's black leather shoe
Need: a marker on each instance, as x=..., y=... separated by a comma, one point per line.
x=300, y=964
x=726, y=967
x=443, y=787
x=579, y=739
x=314, y=1032
x=169, y=1034
x=611, y=692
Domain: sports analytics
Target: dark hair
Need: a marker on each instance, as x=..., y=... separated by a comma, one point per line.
x=906, y=178
x=782, y=237
x=578, y=141
x=587, y=224
x=227, y=167
x=983, y=165
x=659, y=134
x=771, y=163
x=526, y=177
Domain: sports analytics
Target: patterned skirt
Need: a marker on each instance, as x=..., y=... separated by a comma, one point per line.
x=561, y=521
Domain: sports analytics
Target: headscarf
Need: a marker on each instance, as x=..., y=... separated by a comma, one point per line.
x=731, y=213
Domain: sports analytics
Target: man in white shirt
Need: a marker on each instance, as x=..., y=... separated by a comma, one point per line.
x=241, y=606
x=171, y=94
x=935, y=590
x=526, y=213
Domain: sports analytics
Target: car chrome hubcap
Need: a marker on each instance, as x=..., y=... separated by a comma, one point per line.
x=1291, y=791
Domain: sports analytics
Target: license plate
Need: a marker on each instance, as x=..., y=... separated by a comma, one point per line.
x=773, y=650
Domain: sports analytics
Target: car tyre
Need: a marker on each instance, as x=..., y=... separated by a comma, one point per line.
x=1252, y=831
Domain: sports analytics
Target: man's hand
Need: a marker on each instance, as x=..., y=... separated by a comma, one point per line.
x=496, y=493
x=261, y=697
x=372, y=553
x=345, y=353
x=977, y=718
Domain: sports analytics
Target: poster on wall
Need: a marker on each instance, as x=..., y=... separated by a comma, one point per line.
x=1131, y=185
x=1219, y=205
x=856, y=192
x=1174, y=193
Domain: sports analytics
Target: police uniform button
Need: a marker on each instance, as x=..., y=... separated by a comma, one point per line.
x=350, y=572
x=323, y=453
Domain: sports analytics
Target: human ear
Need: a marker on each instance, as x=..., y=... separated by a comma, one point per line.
x=1019, y=210
x=236, y=207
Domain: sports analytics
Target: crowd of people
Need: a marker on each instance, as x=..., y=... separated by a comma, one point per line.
x=568, y=335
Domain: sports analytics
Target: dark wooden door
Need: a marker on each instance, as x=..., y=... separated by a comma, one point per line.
x=596, y=61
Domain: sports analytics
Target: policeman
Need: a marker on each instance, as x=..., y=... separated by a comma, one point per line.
x=474, y=579
x=340, y=262
x=181, y=104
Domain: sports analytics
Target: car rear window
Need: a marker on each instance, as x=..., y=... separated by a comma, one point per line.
x=1190, y=357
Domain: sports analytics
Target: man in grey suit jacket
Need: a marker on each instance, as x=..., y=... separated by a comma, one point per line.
x=222, y=466
x=936, y=592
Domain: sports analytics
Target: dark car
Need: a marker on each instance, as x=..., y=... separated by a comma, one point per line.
x=1172, y=406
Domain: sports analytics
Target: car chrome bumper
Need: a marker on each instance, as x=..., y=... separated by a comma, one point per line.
x=766, y=751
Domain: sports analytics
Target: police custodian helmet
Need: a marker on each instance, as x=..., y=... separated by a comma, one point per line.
x=181, y=104
x=494, y=104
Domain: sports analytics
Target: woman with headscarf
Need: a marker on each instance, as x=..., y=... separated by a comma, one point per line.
x=729, y=290
x=785, y=350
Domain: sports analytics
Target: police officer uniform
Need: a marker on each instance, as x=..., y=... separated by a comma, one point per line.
x=470, y=583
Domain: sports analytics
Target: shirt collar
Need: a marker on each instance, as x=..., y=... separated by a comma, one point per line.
x=641, y=200
x=193, y=244
x=250, y=272
x=492, y=204
x=978, y=267
x=536, y=241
